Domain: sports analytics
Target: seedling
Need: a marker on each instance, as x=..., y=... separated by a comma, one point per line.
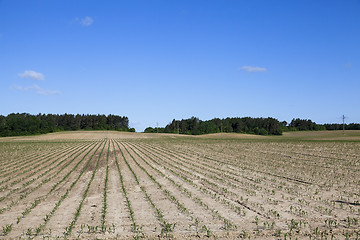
x=7, y=229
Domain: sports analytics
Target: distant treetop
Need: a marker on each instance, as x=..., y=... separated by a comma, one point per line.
x=16, y=124
x=259, y=126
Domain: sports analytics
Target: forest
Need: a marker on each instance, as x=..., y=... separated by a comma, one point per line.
x=17, y=124
x=258, y=126
x=195, y=126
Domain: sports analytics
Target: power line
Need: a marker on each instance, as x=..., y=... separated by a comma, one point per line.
x=343, y=117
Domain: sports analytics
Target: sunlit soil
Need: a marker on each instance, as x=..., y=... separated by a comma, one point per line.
x=111, y=185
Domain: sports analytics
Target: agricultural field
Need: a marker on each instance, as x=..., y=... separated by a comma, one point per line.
x=112, y=185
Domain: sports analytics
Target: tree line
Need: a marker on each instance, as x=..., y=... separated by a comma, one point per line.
x=195, y=126
x=259, y=126
x=16, y=124
x=336, y=126
x=308, y=125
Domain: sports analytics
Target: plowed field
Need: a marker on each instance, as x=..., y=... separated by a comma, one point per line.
x=111, y=185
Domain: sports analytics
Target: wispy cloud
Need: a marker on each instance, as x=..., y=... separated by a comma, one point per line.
x=37, y=89
x=252, y=69
x=134, y=123
x=86, y=21
x=32, y=75
x=348, y=65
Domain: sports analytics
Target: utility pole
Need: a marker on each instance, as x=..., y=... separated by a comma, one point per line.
x=157, y=127
x=343, y=124
x=177, y=127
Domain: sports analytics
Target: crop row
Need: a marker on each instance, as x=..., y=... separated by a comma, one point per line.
x=48, y=168
x=34, y=163
x=166, y=227
x=38, y=200
x=64, y=196
x=219, y=194
x=22, y=162
x=78, y=209
x=295, y=189
x=227, y=223
x=14, y=157
x=226, y=176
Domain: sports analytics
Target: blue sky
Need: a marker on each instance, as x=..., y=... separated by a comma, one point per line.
x=154, y=61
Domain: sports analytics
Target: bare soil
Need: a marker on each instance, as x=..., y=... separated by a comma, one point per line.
x=112, y=185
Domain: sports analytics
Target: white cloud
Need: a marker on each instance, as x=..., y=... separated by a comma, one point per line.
x=32, y=74
x=252, y=69
x=86, y=21
x=36, y=89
